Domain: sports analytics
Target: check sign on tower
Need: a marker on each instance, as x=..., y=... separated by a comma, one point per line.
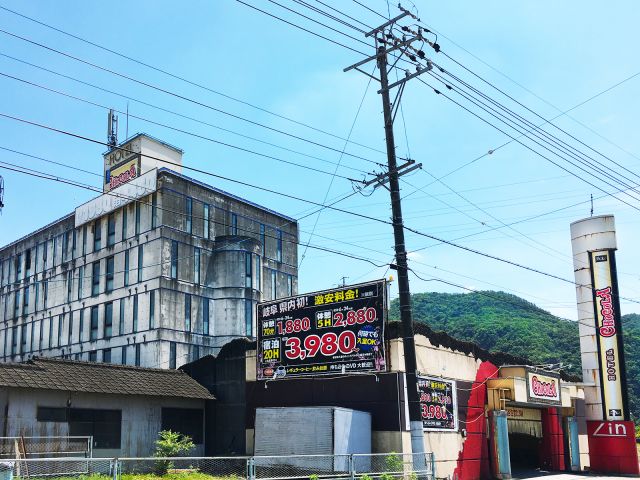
x=330, y=332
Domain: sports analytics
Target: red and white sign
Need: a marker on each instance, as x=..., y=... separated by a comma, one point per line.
x=543, y=388
x=612, y=447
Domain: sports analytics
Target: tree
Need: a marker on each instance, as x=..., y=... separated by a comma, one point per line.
x=171, y=444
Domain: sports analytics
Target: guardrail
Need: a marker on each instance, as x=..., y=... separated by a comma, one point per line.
x=377, y=466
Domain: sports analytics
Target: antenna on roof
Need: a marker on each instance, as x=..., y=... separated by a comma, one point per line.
x=112, y=129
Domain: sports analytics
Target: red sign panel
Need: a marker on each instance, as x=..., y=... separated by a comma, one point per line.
x=612, y=447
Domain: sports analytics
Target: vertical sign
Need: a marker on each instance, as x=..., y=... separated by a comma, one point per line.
x=330, y=332
x=607, y=321
x=438, y=404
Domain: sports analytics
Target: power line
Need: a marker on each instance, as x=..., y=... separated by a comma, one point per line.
x=202, y=137
x=182, y=97
x=183, y=79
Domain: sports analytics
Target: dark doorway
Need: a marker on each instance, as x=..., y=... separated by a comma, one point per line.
x=524, y=451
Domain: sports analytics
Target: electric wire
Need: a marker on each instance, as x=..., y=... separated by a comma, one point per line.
x=183, y=79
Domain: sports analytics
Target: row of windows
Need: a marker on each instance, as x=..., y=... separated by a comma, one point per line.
x=22, y=297
x=75, y=323
x=74, y=244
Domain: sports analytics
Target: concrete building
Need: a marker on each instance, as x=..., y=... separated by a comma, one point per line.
x=122, y=407
x=158, y=271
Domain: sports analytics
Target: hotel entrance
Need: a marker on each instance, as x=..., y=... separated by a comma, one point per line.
x=525, y=438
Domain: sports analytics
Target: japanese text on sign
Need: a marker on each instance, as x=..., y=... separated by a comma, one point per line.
x=334, y=331
x=438, y=405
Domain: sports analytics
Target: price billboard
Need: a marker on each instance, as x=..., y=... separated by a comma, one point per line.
x=438, y=405
x=330, y=332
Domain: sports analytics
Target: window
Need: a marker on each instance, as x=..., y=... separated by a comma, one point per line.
x=81, y=325
x=154, y=210
x=189, y=214
x=187, y=421
x=70, y=333
x=25, y=301
x=137, y=354
x=196, y=265
x=50, y=332
x=45, y=293
x=289, y=285
x=84, y=240
x=110, y=275
x=60, y=328
x=97, y=235
x=108, y=320
x=45, y=249
x=51, y=414
x=274, y=284
x=41, y=333
x=95, y=278
x=234, y=224
x=69, y=284
x=126, y=268
x=36, y=301
x=14, y=340
x=187, y=312
x=258, y=273
x=93, y=335
x=248, y=318
x=106, y=355
x=172, y=355
x=104, y=425
x=174, y=259
x=135, y=313
x=74, y=244
x=121, y=325
x=279, y=247
x=27, y=264
x=23, y=338
x=140, y=261
x=205, y=316
x=137, y=218
x=247, y=270
x=18, y=268
x=16, y=305
x=80, y=281
x=54, y=250
x=93, y=356
x=195, y=352
x=65, y=245
x=205, y=218
x=123, y=359
x=111, y=230
x=152, y=309
x=263, y=240
x=124, y=222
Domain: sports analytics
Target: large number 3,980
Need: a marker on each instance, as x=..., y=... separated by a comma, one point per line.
x=327, y=345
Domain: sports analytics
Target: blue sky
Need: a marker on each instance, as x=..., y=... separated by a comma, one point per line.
x=563, y=52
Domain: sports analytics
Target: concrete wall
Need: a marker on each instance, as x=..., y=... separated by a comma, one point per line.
x=141, y=416
x=232, y=229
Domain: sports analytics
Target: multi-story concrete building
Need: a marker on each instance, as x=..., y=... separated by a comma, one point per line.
x=159, y=270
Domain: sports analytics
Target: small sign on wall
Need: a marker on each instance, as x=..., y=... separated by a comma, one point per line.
x=543, y=387
x=438, y=403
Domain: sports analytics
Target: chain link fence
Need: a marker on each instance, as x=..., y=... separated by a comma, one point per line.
x=57, y=468
x=385, y=466
x=45, y=447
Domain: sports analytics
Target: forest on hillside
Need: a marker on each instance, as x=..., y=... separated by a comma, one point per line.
x=501, y=322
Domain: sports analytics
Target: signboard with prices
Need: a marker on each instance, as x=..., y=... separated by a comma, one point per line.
x=330, y=332
x=438, y=404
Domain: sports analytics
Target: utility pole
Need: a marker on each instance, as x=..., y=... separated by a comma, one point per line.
x=383, y=47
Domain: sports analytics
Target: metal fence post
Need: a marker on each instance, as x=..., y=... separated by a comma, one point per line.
x=352, y=467
x=251, y=469
x=433, y=465
x=114, y=468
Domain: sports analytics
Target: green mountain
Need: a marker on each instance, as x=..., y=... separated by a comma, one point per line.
x=498, y=321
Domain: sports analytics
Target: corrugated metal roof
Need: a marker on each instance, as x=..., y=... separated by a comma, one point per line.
x=90, y=377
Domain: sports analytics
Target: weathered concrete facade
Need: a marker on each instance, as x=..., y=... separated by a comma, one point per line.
x=158, y=282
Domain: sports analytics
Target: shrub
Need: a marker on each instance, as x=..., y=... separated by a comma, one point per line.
x=170, y=444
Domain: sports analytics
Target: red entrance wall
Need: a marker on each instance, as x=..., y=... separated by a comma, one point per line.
x=473, y=460
x=612, y=447
x=552, y=457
